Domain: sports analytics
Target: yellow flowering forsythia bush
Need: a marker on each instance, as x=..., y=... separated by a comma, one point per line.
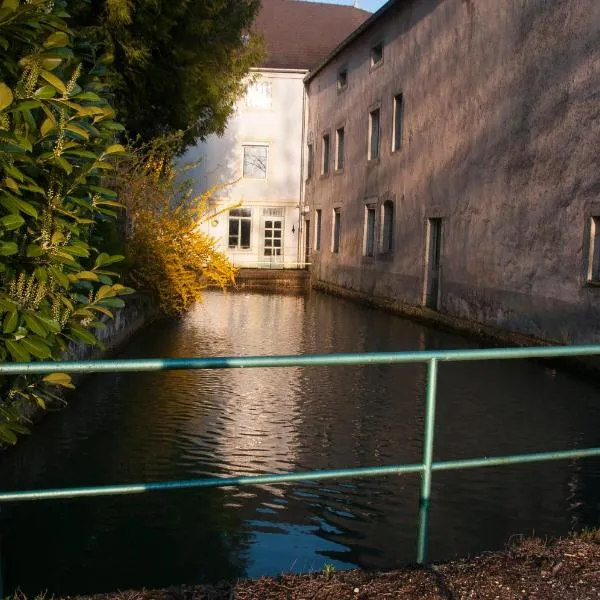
x=166, y=251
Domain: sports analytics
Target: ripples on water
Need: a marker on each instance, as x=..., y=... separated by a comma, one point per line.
x=160, y=426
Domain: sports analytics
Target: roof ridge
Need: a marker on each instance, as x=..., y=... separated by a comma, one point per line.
x=330, y=4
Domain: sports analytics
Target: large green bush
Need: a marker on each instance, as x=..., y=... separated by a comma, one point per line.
x=57, y=134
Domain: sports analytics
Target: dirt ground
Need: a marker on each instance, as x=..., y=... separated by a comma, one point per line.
x=566, y=569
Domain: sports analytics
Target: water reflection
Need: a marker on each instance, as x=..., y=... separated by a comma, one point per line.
x=158, y=426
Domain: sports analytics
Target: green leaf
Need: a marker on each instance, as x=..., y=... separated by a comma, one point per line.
x=26, y=105
x=45, y=92
x=62, y=379
x=83, y=334
x=106, y=291
x=82, y=153
x=6, y=96
x=113, y=302
x=47, y=127
x=60, y=277
x=102, y=310
x=102, y=164
x=79, y=132
x=103, y=191
x=17, y=351
x=76, y=250
x=87, y=275
x=33, y=324
x=11, y=5
x=51, y=63
x=52, y=325
x=11, y=320
x=56, y=39
x=90, y=96
x=7, y=434
x=114, y=149
x=8, y=248
x=53, y=80
x=36, y=347
x=64, y=164
x=26, y=208
x=33, y=250
x=11, y=222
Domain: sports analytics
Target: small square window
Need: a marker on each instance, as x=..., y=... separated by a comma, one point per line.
x=377, y=54
x=342, y=80
x=259, y=95
x=255, y=162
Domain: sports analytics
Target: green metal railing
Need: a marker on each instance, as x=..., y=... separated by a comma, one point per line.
x=426, y=468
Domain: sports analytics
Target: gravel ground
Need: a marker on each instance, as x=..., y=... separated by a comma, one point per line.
x=566, y=569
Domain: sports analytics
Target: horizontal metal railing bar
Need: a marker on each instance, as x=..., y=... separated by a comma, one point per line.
x=448, y=465
x=235, y=362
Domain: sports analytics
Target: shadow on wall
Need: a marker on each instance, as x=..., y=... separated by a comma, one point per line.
x=501, y=136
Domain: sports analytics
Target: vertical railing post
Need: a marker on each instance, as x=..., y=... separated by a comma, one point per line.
x=428, y=438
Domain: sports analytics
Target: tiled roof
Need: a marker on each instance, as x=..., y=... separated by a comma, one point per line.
x=299, y=35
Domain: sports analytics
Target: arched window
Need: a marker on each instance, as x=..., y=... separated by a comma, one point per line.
x=387, y=227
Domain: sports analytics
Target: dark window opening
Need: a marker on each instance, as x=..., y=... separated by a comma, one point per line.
x=374, y=134
x=325, y=167
x=240, y=221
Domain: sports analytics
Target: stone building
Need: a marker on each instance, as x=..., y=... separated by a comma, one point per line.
x=259, y=160
x=452, y=157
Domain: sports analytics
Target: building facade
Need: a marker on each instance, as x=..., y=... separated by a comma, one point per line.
x=256, y=167
x=452, y=162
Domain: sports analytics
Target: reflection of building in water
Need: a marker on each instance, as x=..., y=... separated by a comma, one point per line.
x=253, y=412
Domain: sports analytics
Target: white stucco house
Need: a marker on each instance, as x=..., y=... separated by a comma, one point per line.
x=259, y=161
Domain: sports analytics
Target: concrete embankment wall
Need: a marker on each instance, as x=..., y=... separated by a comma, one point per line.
x=273, y=280
x=140, y=309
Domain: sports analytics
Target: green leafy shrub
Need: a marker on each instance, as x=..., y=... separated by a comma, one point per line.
x=57, y=134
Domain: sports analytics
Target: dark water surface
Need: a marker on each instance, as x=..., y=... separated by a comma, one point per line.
x=176, y=425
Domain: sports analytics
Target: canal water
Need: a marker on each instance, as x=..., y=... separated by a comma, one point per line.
x=177, y=425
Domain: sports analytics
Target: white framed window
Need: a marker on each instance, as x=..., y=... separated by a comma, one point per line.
x=369, y=231
x=259, y=94
x=594, y=257
x=336, y=231
x=397, y=122
x=339, y=149
x=240, y=224
x=256, y=158
x=374, y=134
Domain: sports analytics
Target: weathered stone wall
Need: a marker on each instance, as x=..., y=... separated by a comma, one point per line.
x=501, y=140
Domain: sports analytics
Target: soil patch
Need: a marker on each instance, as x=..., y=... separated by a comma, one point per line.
x=566, y=569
